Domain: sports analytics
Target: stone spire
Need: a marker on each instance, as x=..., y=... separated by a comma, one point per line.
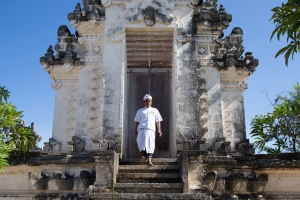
x=228, y=52
x=67, y=50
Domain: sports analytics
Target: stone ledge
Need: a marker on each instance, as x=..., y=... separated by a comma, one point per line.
x=41, y=195
x=157, y=196
x=65, y=159
x=288, y=160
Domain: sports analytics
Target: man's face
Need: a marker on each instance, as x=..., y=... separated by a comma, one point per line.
x=148, y=103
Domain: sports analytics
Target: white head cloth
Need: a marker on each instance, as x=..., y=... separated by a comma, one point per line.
x=147, y=96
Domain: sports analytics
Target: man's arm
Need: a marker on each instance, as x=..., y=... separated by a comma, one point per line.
x=158, y=125
x=135, y=130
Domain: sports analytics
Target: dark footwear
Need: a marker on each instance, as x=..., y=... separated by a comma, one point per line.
x=143, y=154
x=149, y=163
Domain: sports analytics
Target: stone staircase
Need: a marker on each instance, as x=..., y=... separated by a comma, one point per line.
x=136, y=177
x=137, y=181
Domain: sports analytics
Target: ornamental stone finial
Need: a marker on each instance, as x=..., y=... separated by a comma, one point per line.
x=92, y=11
x=207, y=14
x=68, y=51
x=228, y=53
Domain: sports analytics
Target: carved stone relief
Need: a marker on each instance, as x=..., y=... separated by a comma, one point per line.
x=76, y=145
x=149, y=12
x=63, y=180
x=116, y=34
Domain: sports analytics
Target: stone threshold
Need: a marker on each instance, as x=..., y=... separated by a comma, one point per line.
x=148, y=175
x=148, y=185
x=150, y=168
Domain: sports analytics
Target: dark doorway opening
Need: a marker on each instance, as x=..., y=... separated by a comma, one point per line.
x=160, y=90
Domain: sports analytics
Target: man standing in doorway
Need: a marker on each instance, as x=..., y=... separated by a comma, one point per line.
x=145, y=119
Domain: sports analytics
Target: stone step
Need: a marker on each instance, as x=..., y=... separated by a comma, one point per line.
x=148, y=187
x=151, y=196
x=148, y=175
x=148, y=169
x=148, y=178
x=156, y=161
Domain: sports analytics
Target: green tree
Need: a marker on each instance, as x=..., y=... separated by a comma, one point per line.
x=279, y=130
x=4, y=148
x=14, y=135
x=4, y=94
x=287, y=20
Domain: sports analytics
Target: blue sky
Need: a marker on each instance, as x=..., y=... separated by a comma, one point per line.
x=29, y=27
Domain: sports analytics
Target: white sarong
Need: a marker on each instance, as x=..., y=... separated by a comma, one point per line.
x=146, y=140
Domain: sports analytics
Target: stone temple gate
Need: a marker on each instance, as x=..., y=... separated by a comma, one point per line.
x=173, y=50
x=176, y=51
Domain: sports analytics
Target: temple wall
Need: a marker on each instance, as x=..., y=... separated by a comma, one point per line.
x=282, y=182
x=220, y=175
x=18, y=181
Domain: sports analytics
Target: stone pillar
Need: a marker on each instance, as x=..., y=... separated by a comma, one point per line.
x=186, y=85
x=88, y=110
x=113, y=86
x=213, y=95
x=107, y=163
x=233, y=114
x=64, y=113
x=90, y=47
x=90, y=88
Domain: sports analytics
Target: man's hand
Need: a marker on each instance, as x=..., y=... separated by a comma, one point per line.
x=136, y=132
x=159, y=129
x=160, y=133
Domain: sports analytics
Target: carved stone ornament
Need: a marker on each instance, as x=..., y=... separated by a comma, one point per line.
x=64, y=181
x=117, y=34
x=38, y=138
x=76, y=145
x=52, y=146
x=207, y=14
x=245, y=147
x=68, y=51
x=92, y=11
x=243, y=86
x=149, y=11
x=229, y=53
x=39, y=181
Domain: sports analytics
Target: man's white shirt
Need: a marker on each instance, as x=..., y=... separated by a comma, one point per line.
x=147, y=117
